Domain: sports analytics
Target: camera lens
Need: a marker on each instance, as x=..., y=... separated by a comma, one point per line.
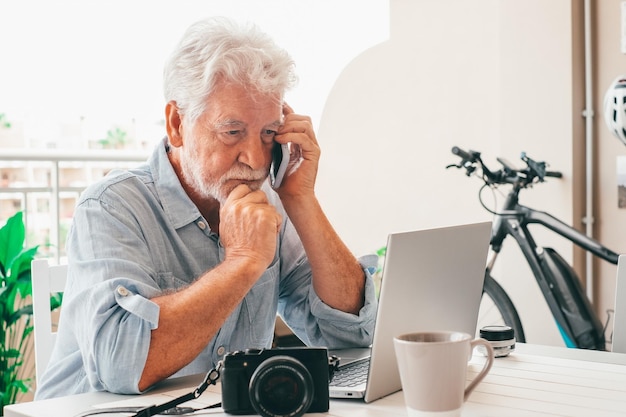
x=281, y=386
x=501, y=338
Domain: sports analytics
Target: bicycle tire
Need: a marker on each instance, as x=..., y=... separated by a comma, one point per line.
x=497, y=308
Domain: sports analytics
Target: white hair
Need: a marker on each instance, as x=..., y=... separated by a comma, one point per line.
x=220, y=49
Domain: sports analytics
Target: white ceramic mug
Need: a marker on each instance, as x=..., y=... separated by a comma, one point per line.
x=433, y=368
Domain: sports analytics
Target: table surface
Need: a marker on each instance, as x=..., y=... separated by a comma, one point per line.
x=532, y=381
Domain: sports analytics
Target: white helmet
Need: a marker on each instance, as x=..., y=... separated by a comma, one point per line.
x=615, y=108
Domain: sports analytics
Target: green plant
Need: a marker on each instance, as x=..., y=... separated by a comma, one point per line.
x=378, y=275
x=4, y=121
x=16, y=311
x=115, y=138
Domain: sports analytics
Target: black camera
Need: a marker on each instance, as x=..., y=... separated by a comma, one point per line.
x=276, y=382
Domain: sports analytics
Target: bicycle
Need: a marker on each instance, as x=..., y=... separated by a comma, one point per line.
x=576, y=320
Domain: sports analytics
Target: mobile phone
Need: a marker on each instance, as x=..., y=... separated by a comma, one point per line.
x=280, y=160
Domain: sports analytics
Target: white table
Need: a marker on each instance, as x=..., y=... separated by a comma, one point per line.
x=532, y=381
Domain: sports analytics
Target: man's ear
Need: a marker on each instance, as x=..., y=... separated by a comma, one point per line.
x=173, y=124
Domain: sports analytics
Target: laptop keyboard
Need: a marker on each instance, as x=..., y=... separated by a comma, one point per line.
x=351, y=375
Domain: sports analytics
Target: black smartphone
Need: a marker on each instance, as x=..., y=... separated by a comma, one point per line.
x=280, y=160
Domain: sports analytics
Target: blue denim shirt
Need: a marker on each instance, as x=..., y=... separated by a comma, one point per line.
x=135, y=235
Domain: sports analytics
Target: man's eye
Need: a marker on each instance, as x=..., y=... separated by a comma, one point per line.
x=230, y=137
x=268, y=135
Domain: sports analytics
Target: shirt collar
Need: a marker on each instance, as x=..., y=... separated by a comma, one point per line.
x=177, y=205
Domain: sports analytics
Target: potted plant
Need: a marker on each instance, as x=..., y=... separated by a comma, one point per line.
x=17, y=367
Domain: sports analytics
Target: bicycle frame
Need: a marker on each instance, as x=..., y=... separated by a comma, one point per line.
x=513, y=220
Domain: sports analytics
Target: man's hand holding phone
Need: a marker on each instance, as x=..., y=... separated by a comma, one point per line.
x=296, y=143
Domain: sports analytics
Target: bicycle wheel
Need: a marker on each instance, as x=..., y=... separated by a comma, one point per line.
x=496, y=308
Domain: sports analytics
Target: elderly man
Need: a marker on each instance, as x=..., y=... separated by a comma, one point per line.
x=192, y=255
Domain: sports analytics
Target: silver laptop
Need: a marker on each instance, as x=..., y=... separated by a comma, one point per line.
x=619, y=316
x=432, y=280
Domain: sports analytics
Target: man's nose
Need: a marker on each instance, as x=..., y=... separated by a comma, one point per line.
x=253, y=153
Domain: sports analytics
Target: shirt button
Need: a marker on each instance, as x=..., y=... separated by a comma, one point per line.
x=122, y=291
x=202, y=225
x=221, y=350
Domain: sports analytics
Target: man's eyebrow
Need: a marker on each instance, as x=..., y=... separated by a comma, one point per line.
x=220, y=124
x=227, y=123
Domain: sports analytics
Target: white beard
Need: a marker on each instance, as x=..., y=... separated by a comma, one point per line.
x=196, y=178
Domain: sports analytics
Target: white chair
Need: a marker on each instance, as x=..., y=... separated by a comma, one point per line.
x=47, y=279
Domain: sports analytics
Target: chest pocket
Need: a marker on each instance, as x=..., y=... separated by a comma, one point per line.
x=259, y=306
x=167, y=281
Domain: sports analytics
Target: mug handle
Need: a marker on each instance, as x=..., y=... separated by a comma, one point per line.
x=485, y=369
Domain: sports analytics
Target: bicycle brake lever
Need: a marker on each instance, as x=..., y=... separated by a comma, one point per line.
x=538, y=168
x=469, y=168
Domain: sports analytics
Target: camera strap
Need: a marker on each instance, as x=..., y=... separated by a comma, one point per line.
x=170, y=407
x=211, y=379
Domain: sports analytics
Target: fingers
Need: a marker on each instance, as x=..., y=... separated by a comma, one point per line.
x=295, y=124
x=287, y=110
x=292, y=117
x=297, y=130
x=243, y=190
x=243, y=196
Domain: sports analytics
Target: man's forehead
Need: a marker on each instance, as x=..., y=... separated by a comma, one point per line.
x=237, y=105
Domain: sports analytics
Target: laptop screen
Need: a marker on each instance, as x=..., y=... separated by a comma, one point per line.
x=432, y=280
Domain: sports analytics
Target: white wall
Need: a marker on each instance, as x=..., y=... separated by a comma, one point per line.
x=489, y=75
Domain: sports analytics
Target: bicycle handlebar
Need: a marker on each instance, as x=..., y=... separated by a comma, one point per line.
x=471, y=156
x=470, y=160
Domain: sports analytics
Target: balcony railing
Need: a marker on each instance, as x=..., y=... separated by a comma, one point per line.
x=27, y=174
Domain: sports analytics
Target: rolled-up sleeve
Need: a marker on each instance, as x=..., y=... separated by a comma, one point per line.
x=318, y=324
x=340, y=329
x=115, y=332
x=139, y=306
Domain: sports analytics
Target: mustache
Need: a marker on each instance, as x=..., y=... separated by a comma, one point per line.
x=245, y=173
